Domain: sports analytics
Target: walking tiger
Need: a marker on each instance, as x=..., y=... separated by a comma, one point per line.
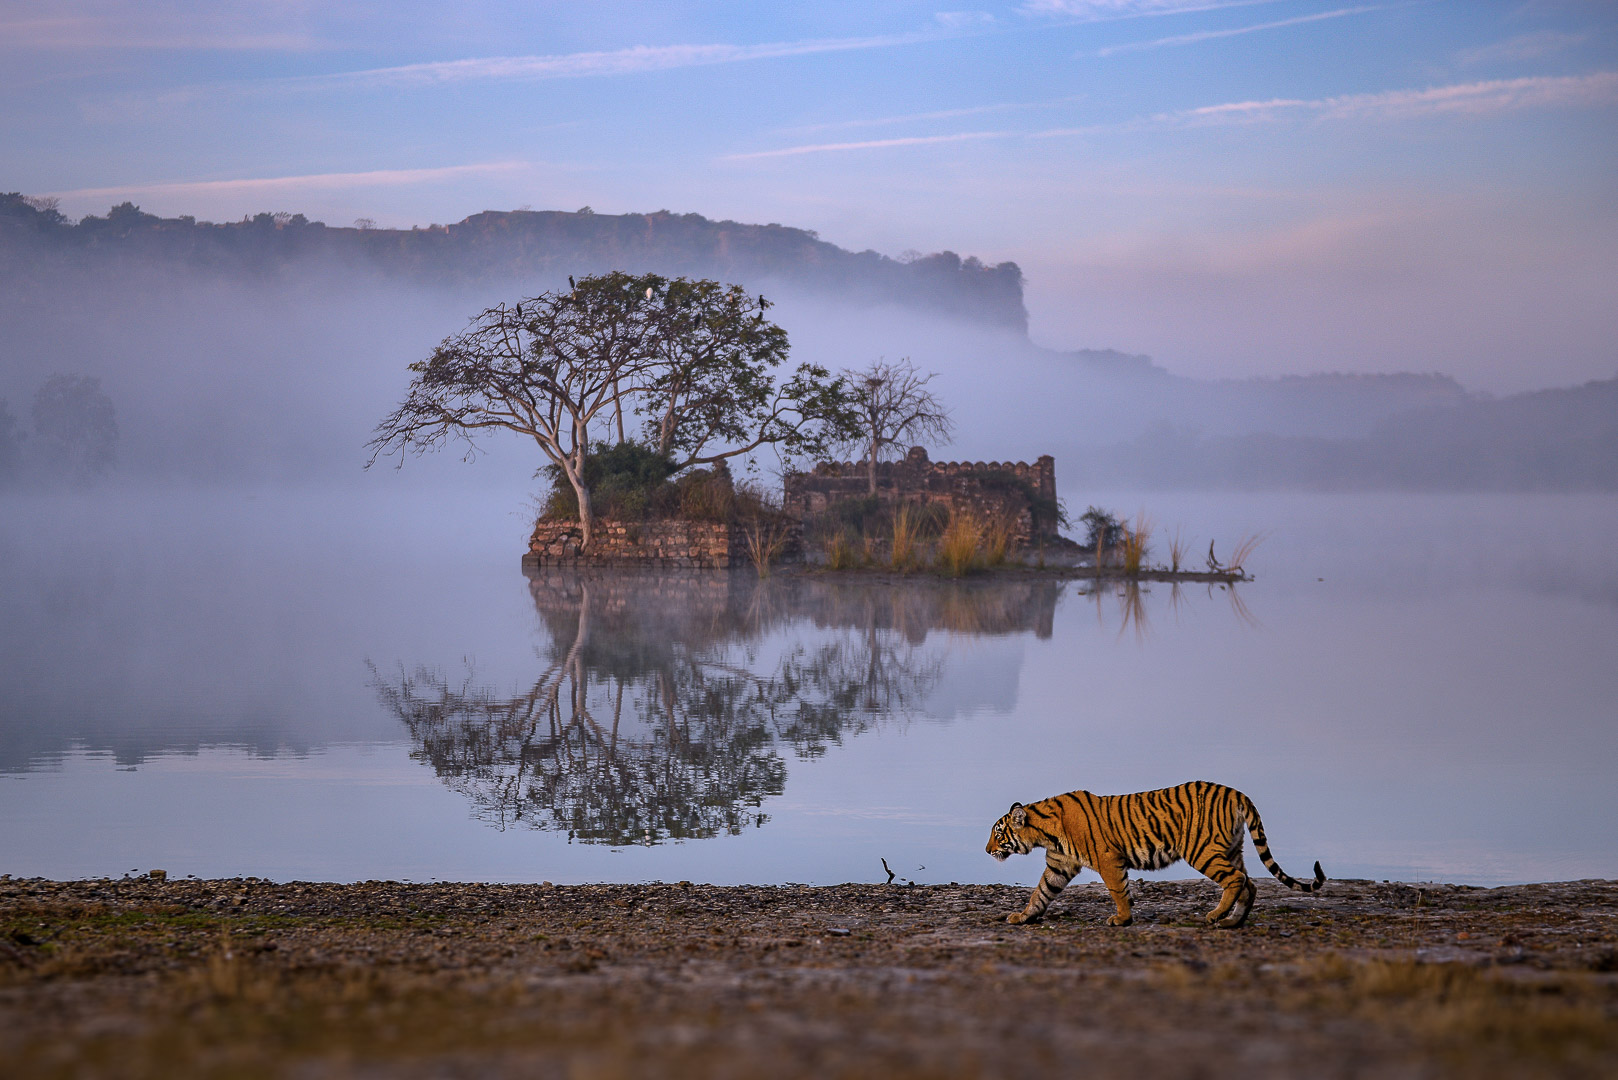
x=1199, y=822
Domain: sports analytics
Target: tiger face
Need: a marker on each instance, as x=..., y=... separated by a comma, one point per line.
x=1005, y=839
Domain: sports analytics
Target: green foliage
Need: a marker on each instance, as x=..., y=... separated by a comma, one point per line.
x=1101, y=529
x=623, y=479
x=629, y=481
x=704, y=495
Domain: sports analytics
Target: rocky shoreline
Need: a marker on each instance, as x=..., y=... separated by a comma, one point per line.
x=244, y=977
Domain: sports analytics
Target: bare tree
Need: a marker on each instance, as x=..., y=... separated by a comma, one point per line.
x=894, y=406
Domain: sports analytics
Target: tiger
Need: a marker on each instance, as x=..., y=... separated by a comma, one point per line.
x=1199, y=822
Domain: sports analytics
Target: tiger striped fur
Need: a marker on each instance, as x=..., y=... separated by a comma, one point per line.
x=1199, y=822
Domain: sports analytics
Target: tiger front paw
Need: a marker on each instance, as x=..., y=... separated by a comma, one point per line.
x=1017, y=918
x=1120, y=920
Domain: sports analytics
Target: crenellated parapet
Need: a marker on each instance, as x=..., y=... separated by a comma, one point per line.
x=1018, y=490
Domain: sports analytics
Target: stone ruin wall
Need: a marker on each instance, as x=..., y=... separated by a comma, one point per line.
x=975, y=486
x=687, y=545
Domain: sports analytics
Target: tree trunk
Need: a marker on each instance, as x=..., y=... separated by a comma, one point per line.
x=575, y=476
x=574, y=471
x=870, y=467
x=586, y=516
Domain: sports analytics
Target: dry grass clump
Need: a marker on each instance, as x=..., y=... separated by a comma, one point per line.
x=1137, y=543
x=766, y=539
x=842, y=553
x=904, y=553
x=766, y=529
x=960, y=548
x=998, y=535
x=1179, y=548
x=1244, y=548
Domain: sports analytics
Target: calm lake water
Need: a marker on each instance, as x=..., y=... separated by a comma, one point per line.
x=361, y=684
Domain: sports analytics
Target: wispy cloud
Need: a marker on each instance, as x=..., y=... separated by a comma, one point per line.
x=634, y=60
x=335, y=181
x=941, y=114
x=960, y=20
x=1476, y=98
x=1235, y=31
x=1109, y=10
x=872, y=144
x=1522, y=47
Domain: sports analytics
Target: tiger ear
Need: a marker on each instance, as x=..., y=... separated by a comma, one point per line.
x=1019, y=815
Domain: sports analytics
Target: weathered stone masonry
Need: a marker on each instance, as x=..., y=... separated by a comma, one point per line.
x=988, y=489
x=698, y=545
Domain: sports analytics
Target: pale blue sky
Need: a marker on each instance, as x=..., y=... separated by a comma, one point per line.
x=1237, y=188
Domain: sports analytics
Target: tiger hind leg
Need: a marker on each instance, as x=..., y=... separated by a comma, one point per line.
x=1237, y=890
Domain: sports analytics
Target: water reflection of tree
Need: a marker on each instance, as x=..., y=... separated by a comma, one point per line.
x=667, y=701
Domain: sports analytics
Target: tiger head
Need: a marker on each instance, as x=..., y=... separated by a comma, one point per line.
x=1006, y=838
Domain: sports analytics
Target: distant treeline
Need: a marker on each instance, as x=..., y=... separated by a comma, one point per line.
x=501, y=246
x=1545, y=440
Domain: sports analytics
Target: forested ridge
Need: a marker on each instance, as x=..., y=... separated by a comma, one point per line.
x=501, y=246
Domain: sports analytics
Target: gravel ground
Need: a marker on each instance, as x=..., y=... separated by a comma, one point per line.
x=140, y=977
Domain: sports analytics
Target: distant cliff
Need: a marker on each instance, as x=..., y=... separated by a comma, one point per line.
x=542, y=247
x=1563, y=439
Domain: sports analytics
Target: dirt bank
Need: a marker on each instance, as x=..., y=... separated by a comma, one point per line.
x=249, y=978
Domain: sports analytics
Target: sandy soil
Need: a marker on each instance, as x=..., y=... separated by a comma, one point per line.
x=248, y=978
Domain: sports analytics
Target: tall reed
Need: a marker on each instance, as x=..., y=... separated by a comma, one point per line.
x=997, y=537
x=1136, y=544
x=906, y=526
x=1178, y=550
x=766, y=539
x=841, y=551
x=959, y=547
x=1244, y=548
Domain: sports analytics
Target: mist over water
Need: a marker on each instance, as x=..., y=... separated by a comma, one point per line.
x=208, y=680
x=241, y=652
x=226, y=379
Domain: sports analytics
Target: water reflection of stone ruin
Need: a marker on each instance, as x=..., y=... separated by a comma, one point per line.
x=668, y=703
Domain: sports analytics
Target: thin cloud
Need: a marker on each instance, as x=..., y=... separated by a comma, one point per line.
x=872, y=144
x=318, y=181
x=634, y=60
x=1112, y=10
x=1522, y=47
x=960, y=20
x=1476, y=98
x=1479, y=98
x=1211, y=35
x=941, y=114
